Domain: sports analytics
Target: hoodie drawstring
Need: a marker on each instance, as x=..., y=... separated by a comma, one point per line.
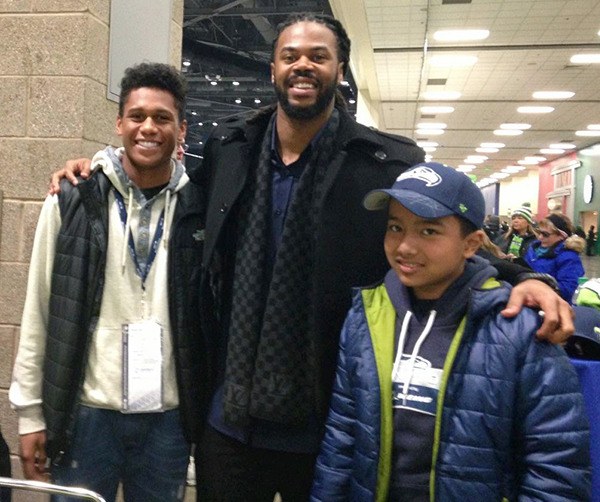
x=127, y=229
x=415, y=351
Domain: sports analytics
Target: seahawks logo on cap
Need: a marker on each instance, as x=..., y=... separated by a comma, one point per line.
x=425, y=174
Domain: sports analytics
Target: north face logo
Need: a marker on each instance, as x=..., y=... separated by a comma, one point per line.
x=425, y=174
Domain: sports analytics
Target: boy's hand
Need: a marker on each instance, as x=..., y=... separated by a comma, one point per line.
x=33, y=456
x=558, y=315
x=71, y=169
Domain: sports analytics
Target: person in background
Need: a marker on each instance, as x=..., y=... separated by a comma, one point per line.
x=520, y=235
x=108, y=381
x=557, y=253
x=5, y=469
x=286, y=240
x=590, y=241
x=492, y=228
x=437, y=396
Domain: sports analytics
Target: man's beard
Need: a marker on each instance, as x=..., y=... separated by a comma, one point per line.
x=323, y=100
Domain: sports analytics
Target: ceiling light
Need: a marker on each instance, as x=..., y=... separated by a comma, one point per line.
x=238, y=100
x=535, y=109
x=515, y=126
x=431, y=125
x=235, y=82
x=486, y=149
x=594, y=127
x=429, y=149
x=527, y=162
x=585, y=58
x=589, y=133
x=592, y=152
x=535, y=158
x=500, y=176
x=423, y=144
x=492, y=145
x=508, y=132
x=452, y=60
x=429, y=132
x=553, y=94
x=433, y=110
x=566, y=146
x=460, y=35
x=441, y=95
x=551, y=151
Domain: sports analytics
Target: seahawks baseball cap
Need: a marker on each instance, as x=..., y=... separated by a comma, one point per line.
x=432, y=190
x=585, y=342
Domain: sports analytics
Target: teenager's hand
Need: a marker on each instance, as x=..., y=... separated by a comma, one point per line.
x=72, y=168
x=33, y=456
x=558, y=315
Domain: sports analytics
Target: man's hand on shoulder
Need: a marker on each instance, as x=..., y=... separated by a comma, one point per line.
x=558, y=315
x=70, y=170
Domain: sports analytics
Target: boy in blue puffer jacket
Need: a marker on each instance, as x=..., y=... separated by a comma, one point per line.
x=438, y=397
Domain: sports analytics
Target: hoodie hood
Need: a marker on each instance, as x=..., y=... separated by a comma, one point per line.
x=110, y=161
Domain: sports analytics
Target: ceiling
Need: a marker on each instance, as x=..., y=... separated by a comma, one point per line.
x=528, y=49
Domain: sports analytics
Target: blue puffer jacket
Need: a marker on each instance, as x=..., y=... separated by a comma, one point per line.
x=510, y=417
x=561, y=263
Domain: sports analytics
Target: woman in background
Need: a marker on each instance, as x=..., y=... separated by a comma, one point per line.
x=520, y=235
x=557, y=253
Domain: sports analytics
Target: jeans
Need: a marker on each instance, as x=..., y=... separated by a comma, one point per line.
x=147, y=452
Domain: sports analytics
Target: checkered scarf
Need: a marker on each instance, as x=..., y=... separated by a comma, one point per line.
x=269, y=370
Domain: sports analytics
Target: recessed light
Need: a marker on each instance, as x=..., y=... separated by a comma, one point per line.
x=553, y=94
x=441, y=95
x=565, y=146
x=588, y=133
x=594, y=127
x=460, y=35
x=423, y=144
x=452, y=60
x=432, y=110
x=508, y=132
x=585, y=58
x=535, y=109
x=429, y=149
x=515, y=126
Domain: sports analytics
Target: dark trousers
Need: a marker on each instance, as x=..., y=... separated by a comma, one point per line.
x=230, y=471
x=5, y=494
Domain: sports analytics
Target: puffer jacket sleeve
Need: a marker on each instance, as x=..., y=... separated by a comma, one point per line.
x=568, y=271
x=333, y=471
x=552, y=428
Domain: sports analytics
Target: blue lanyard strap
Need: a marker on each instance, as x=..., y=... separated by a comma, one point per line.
x=142, y=270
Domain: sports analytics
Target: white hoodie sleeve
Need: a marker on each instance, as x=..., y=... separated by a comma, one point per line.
x=25, y=392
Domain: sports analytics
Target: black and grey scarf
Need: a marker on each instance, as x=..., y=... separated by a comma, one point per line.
x=269, y=371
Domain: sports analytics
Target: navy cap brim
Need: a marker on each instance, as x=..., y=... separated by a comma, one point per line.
x=418, y=204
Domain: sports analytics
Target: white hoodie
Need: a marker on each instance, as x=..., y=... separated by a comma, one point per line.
x=123, y=301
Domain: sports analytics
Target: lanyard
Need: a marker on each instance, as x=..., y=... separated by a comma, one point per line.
x=142, y=270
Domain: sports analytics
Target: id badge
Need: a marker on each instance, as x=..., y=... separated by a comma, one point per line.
x=142, y=367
